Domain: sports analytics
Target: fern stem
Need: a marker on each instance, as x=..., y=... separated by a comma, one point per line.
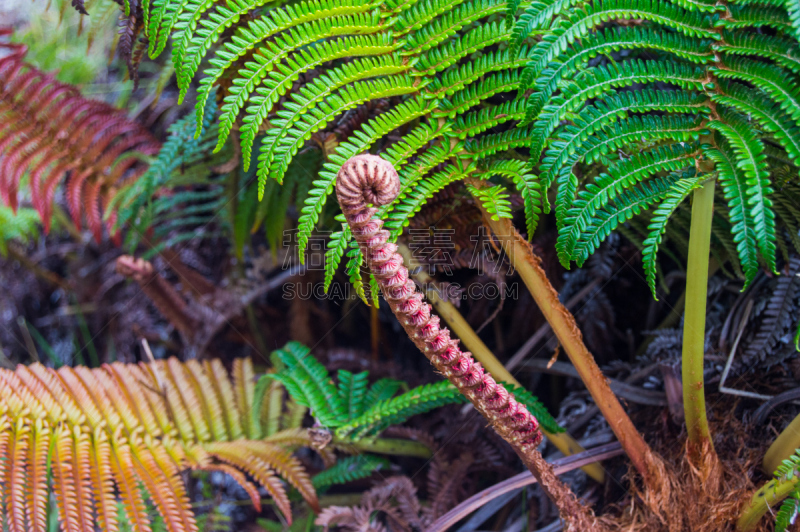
x=783, y=447
x=365, y=182
x=562, y=440
x=390, y=446
x=694, y=401
x=561, y=320
x=768, y=496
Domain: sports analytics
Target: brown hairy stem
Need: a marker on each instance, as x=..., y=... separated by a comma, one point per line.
x=450, y=314
x=561, y=320
x=159, y=290
x=366, y=182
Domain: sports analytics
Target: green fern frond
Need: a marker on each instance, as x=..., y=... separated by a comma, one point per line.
x=734, y=187
x=494, y=200
x=629, y=204
x=352, y=392
x=449, y=53
x=308, y=382
x=22, y=226
x=607, y=186
x=310, y=96
x=349, y=469
x=658, y=225
x=751, y=160
x=393, y=411
x=527, y=184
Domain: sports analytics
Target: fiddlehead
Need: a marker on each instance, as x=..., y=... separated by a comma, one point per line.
x=366, y=182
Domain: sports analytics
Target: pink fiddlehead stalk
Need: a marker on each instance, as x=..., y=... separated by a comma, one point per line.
x=365, y=182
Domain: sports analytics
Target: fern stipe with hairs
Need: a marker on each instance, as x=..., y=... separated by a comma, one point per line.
x=364, y=184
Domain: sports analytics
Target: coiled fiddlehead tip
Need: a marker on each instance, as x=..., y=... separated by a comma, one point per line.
x=366, y=180
x=364, y=183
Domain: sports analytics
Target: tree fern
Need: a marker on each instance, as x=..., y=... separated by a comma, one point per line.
x=587, y=90
x=735, y=86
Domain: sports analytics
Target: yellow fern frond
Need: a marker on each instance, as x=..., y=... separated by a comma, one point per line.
x=18, y=473
x=212, y=408
x=224, y=391
x=244, y=387
x=126, y=433
x=125, y=477
x=37, y=491
x=81, y=466
x=102, y=482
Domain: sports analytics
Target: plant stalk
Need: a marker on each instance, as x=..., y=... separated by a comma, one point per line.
x=783, y=447
x=390, y=446
x=767, y=497
x=694, y=400
x=561, y=320
x=450, y=314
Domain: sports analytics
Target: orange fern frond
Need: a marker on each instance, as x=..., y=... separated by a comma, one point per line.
x=37, y=491
x=50, y=132
x=17, y=479
x=127, y=432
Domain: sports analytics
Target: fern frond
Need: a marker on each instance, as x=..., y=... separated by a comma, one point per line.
x=449, y=53
x=580, y=22
x=349, y=469
x=266, y=57
x=752, y=162
x=658, y=223
x=344, y=99
x=40, y=116
x=311, y=95
x=765, y=112
x=734, y=187
x=607, y=186
x=444, y=27
x=352, y=392
x=602, y=80
x=494, y=200
x=132, y=430
x=308, y=382
x=527, y=184
x=393, y=411
x=627, y=205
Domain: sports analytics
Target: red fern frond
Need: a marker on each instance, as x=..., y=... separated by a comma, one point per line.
x=52, y=133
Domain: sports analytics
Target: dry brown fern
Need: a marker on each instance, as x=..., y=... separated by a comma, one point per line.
x=127, y=426
x=50, y=132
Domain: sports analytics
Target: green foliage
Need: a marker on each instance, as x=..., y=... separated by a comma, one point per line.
x=608, y=109
x=494, y=200
x=622, y=116
x=349, y=469
x=22, y=226
x=358, y=410
x=179, y=190
x=791, y=505
x=438, y=62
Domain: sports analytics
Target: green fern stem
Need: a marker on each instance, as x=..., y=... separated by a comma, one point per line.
x=768, y=496
x=388, y=446
x=694, y=400
x=784, y=446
